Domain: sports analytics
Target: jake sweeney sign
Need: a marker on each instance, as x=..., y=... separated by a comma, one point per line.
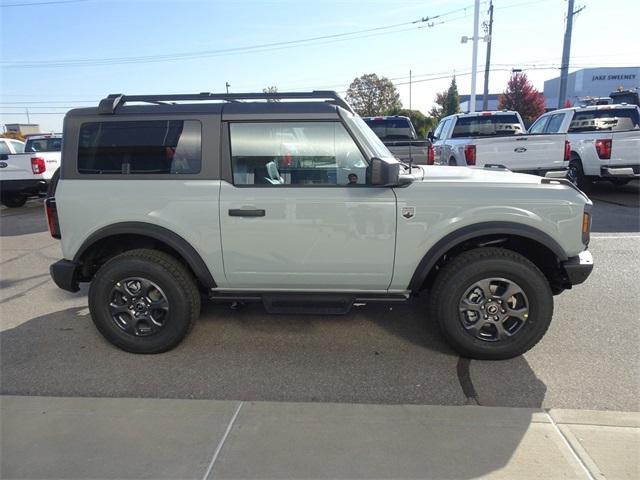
x=611, y=76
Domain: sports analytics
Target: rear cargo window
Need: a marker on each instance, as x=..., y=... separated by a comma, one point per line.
x=140, y=147
x=486, y=125
x=605, y=119
x=391, y=128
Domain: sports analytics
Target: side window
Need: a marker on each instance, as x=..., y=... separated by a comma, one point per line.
x=441, y=131
x=539, y=125
x=4, y=148
x=554, y=124
x=140, y=147
x=295, y=153
x=18, y=146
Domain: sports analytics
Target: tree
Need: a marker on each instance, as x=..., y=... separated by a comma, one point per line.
x=271, y=89
x=567, y=104
x=447, y=102
x=370, y=95
x=13, y=136
x=420, y=121
x=523, y=98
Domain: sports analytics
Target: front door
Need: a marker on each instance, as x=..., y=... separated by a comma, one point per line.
x=299, y=214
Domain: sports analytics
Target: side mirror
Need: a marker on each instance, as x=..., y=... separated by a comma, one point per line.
x=383, y=174
x=430, y=135
x=4, y=156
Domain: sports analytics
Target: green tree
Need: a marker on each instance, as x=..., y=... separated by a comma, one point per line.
x=271, y=89
x=370, y=95
x=447, y=102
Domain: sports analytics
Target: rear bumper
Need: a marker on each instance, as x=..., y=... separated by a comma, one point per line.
x=24, y=187
x=578, y=268
x=621, y=171
x=65, y=275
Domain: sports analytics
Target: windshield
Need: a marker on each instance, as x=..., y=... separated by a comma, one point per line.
x=391, y=128
x=361, y=130
x=43, y=145
x=487, y=125
x=605, y=119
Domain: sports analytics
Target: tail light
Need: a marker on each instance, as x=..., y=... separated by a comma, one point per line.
x=470, y=154
x=603, y=147
x=37, y=165
x=567, y=150
x=52, y=217
x=430, y=155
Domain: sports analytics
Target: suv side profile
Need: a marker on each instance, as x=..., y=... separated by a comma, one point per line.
x=164, y=200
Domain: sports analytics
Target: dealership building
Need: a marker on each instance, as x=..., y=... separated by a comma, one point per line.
x=592, y=82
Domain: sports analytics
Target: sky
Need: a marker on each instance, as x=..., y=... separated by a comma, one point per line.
x=59, y=54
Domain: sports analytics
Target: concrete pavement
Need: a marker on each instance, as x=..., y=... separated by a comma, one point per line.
x=54, y=437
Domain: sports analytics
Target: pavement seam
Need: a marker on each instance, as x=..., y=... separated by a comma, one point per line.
x=216, y=453
x=570, y=447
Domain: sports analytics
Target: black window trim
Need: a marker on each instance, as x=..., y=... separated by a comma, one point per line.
x=226, y=173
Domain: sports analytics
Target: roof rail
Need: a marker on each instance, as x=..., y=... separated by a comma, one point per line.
x=109, y=104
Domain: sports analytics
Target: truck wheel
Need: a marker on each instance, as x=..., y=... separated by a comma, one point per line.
x=144, y=301
x=576, y=174
x=14, y=200
x=619, y=182
x=492, y=303
x=452, y=162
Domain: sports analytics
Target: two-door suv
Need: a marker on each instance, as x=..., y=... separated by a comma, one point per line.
x=291, y=200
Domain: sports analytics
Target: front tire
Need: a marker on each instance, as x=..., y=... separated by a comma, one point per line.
x=144, y=301
x=492, y=303
x=14, y=200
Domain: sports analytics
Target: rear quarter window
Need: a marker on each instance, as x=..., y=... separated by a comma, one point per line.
x=140, y=147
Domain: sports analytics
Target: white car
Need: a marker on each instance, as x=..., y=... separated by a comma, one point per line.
x=604, y=139
x=497, y=138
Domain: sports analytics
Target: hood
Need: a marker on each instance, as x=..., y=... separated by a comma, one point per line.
x=471, y=174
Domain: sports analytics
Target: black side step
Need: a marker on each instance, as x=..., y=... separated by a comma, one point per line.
x=308, y=303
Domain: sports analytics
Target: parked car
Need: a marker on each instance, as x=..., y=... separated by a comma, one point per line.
x=9, y=146
x=24, y=175
x=399, y=136
x=498, y=138
x=298, y=205
x=604, y=139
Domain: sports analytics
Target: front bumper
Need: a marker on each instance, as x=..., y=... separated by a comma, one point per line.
x=578, y=268
x=65, y=274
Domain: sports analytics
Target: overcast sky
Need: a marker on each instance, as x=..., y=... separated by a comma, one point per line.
x=60, y=54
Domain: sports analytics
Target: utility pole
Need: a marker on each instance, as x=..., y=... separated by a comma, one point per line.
x=485, y=94
x=566, y=53
x=409, y=89
x=28, y=119
x=226, y=84
x=474, y=61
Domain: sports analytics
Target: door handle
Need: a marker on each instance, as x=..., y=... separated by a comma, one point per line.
x=245, y=212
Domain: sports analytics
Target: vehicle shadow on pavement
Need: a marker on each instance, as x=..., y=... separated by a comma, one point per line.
x=31, y=220
x=375, y=355
x=616, y=208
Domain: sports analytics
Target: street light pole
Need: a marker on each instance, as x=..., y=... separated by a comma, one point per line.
x=485, y=94
x=474, y=62
x=226, y=84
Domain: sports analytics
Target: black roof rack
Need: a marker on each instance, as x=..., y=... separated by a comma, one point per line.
x=109, y=104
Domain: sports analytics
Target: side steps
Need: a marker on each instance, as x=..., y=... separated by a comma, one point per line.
x=301, y=304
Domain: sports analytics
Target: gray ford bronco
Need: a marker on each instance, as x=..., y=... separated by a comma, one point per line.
x=164, y=200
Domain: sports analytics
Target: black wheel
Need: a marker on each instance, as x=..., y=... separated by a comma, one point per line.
x=576, y=174
x=619, y=182
x=14, y=200
x=492, y=303
x=452, y=162
x=144, y=301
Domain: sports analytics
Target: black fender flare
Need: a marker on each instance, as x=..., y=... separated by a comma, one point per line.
x=155, y=232
x=469, y=232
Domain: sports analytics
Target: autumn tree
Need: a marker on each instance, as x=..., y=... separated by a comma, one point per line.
x=523, y=98
x=447, y=102
x=13, y=135
x=371, y=95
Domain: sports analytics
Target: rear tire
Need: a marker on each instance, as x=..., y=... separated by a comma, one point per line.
x=619, y=182
x=14, y=200
x=498, y=335
x=148, y=283
x=452, y=162
x=576, y=174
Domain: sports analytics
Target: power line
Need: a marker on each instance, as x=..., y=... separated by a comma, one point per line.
x=57, y=2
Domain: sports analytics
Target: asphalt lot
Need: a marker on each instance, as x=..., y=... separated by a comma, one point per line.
x=377, y=354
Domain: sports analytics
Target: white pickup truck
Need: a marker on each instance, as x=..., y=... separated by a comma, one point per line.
x=497, y=138
x=9, y=146
x=24, y=175
x=605, y=141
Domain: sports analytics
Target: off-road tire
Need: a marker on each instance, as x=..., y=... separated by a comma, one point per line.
x=471, y=266
x=13, y=200
x=170, y=275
